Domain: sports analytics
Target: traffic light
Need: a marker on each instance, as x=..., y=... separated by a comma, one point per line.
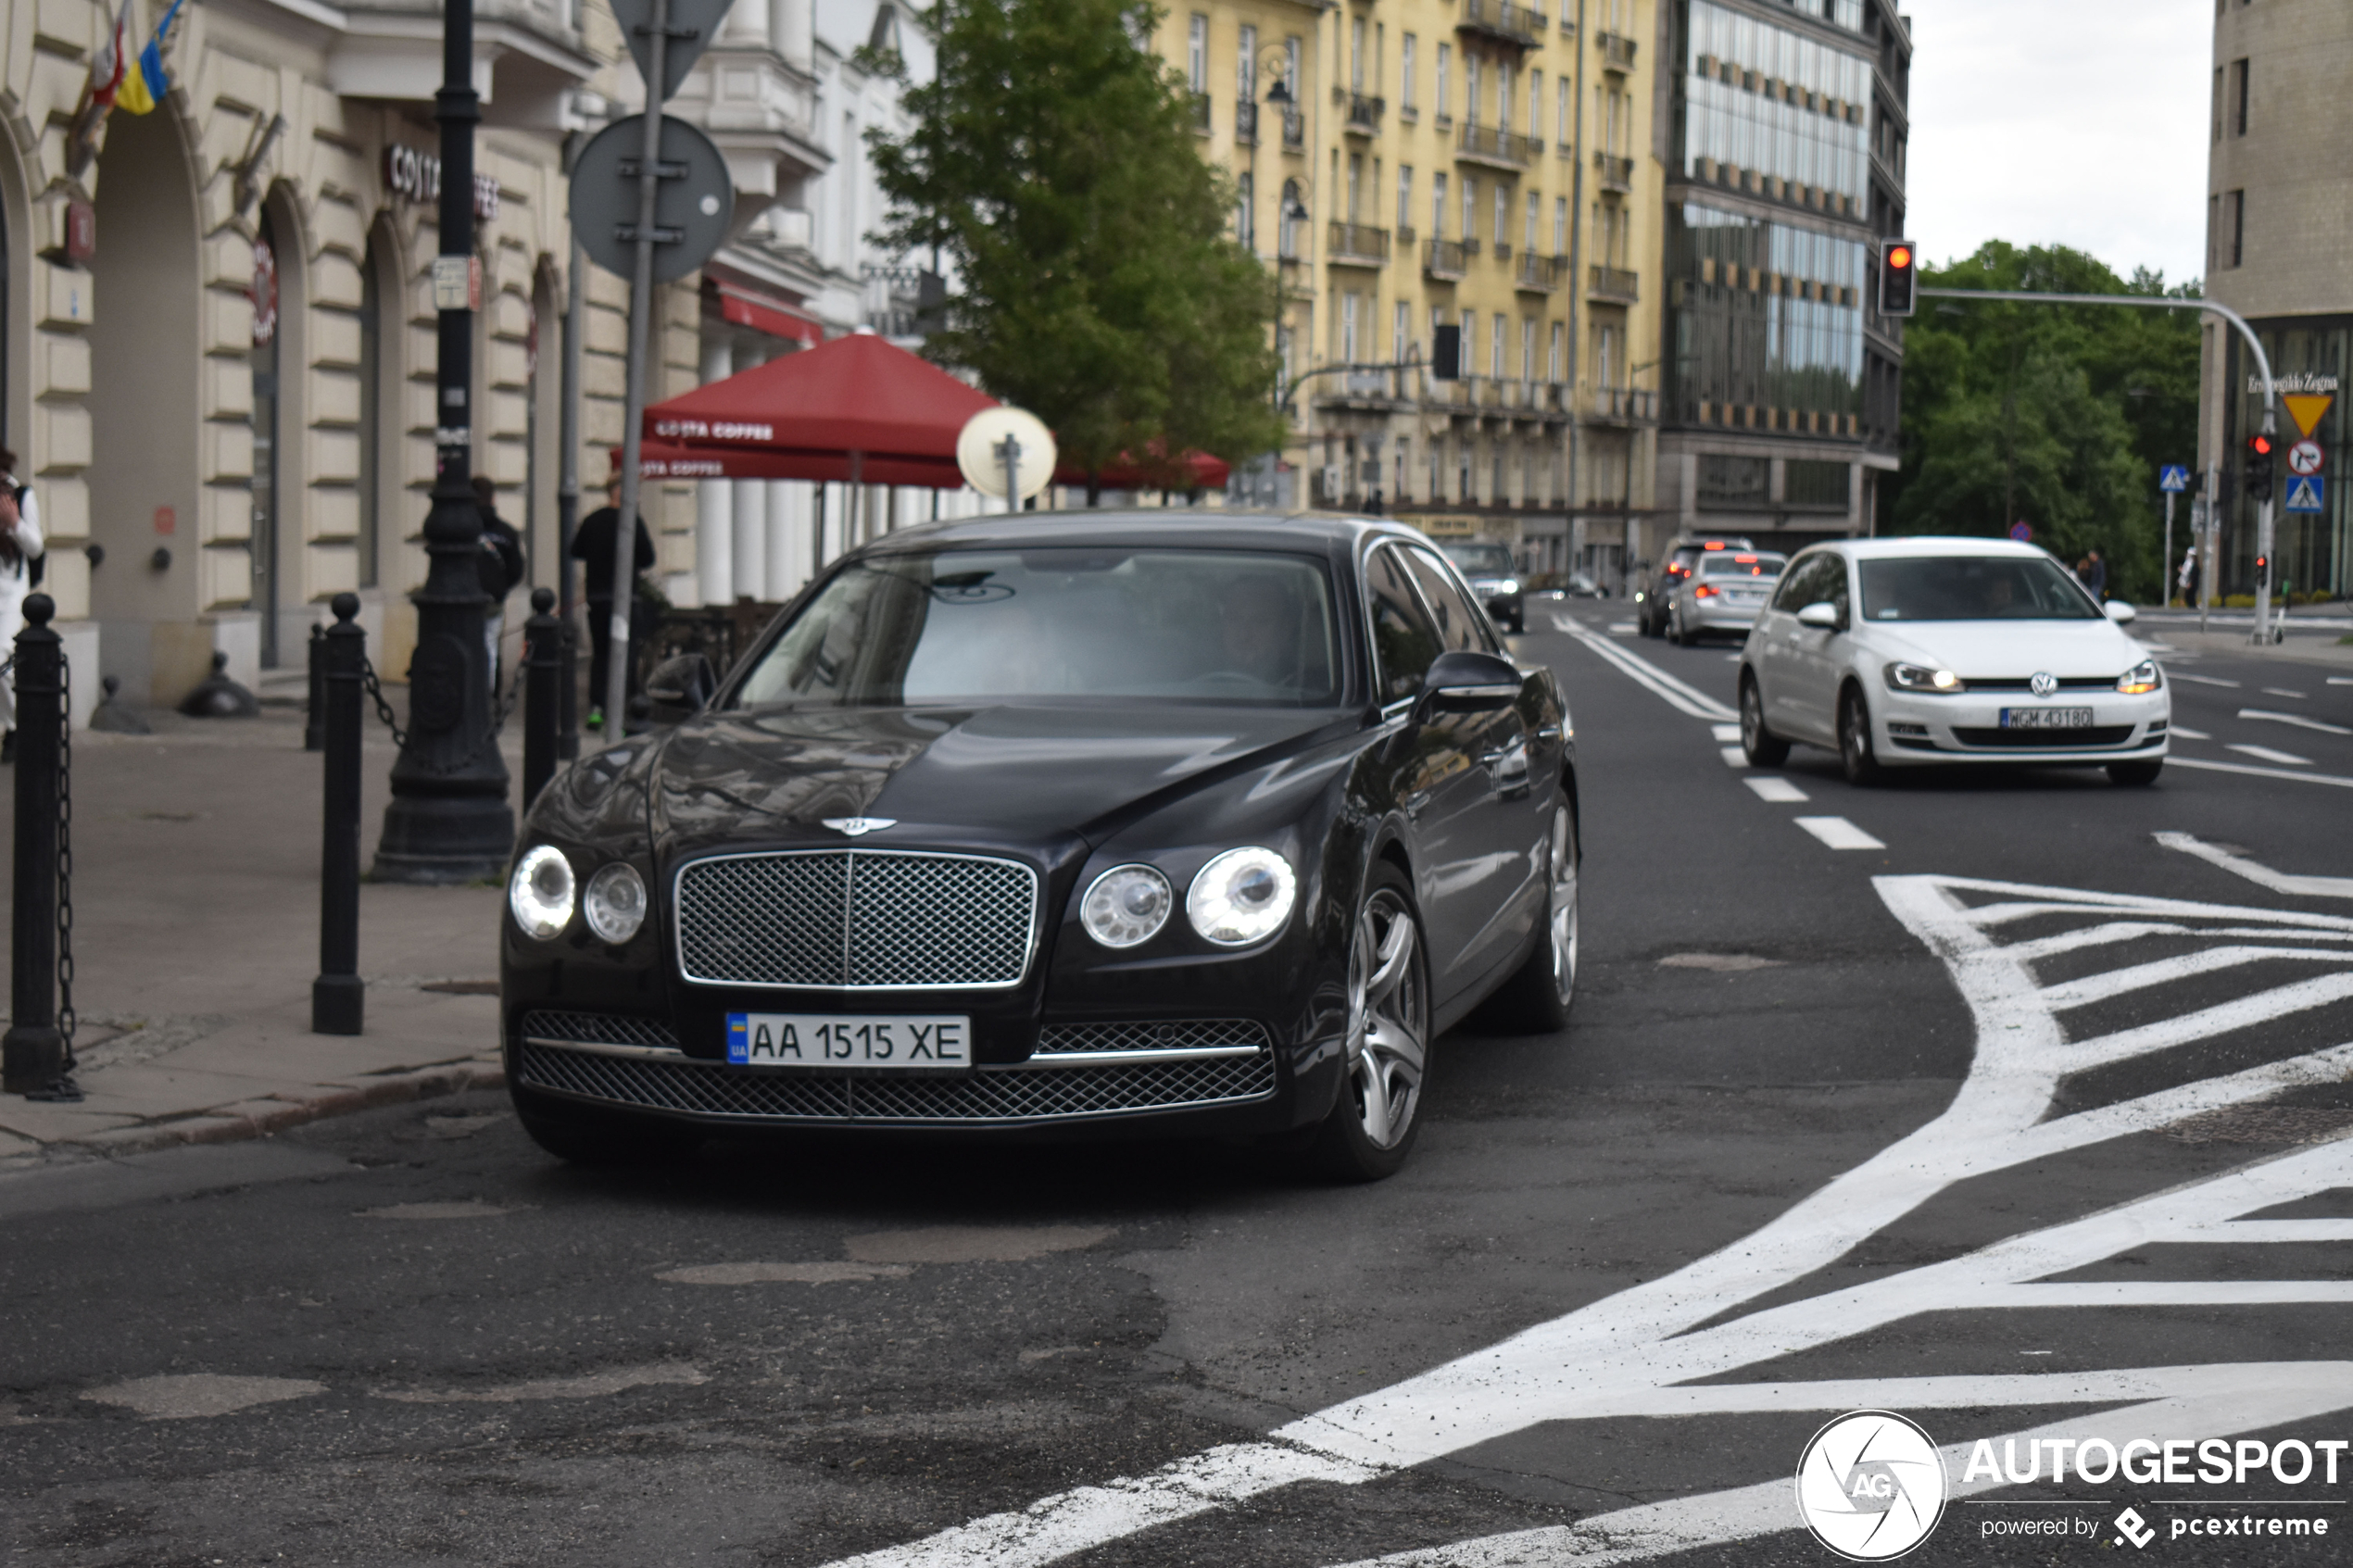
x=2259, y=465
x=1899, y=264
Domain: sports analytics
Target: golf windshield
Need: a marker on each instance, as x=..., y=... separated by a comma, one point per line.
x=962, y=628
x=1972, y=588
x=1479, y=560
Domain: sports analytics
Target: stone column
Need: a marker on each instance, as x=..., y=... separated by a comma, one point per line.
x=751, y=537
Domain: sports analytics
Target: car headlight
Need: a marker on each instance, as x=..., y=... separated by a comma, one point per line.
x=2142, y=677
x=616, y=902
x=1126, y=905
x=1508, y=585
x=1242, y=896
x=1919, y=678
x=540, y=893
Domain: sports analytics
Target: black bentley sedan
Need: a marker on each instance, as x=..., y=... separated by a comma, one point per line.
x=1205, y=824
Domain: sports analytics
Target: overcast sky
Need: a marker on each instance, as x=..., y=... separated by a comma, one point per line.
x=2075, y=122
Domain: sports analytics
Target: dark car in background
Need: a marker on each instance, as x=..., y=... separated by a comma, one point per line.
x=1655, y=601
x=1493, y=578
x=1056, y=822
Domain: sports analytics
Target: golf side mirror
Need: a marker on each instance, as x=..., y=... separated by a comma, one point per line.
x=680, y=687
x=2121, y=612
x=1822, y=616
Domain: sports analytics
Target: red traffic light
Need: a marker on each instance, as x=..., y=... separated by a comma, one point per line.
x=2260, y=444
x=1899, y=257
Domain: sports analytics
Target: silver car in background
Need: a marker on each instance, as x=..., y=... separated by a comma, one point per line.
x=1723, y=595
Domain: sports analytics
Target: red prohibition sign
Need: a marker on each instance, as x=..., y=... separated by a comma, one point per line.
x=2305, y=459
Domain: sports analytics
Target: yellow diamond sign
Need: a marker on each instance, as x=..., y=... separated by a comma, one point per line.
x=2306, y=408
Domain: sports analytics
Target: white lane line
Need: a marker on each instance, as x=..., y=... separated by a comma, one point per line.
x=2341, y=680
x=1624, y=628
x=1732, y=732
x=2294, y=883
x=2283, y=691
x=1677, y=695
x=2183, y=732
x=2265, y=754
x=2202, y=680
x=1781, y=792
x=1733, y=756
x=2295, y=719
x=1838, y=833
x=2258, y=773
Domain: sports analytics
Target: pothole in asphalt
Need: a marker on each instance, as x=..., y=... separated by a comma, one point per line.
x=177, y=1397
x=782, y=1273
x=1722, y=964
x=469, y=1209
x=588, y=1386
x=974, y=1243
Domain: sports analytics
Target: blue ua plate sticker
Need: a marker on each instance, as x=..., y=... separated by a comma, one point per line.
x=822, y=1040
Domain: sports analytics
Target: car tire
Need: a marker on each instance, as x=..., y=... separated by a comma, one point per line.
x=581, y=1137
x=2135, y=775
x=1676, y=633
x=1855, y=740
x=1537, y=997
x=1519, y=625
x=1759, y=745
x=1386, y=1049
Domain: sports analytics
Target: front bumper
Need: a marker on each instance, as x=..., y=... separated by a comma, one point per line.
x=1967, y=728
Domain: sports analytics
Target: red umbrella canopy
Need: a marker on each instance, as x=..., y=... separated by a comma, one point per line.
x=855, y=408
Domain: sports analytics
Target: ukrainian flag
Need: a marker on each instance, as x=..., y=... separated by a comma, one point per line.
x=143, y=87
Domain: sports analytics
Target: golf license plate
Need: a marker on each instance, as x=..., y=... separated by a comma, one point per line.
x=2046, y=718
x=923, y=1043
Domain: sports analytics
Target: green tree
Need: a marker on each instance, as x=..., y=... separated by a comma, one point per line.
x=2056, y=416
x=1052, y=159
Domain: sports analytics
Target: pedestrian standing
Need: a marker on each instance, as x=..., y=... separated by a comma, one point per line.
x=500, y=563
x=2095, y=578
x=20, y=548
x=592, y=545
x=2188, y=577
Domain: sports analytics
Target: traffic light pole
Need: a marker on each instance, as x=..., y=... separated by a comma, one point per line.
x=2262, y=362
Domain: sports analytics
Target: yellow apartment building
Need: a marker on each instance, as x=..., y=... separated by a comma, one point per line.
x=1437, y=180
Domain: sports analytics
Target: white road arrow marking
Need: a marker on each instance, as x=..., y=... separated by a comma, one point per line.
x=2265, y=754
x=2297, y=720
x=2288, y=883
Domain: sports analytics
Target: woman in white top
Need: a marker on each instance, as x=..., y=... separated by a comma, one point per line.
x=20, y=546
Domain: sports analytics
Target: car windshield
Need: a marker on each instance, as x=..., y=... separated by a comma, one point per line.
x=960, y=628
x=1745, y=564
x=1479, y=560
x=1972, y=588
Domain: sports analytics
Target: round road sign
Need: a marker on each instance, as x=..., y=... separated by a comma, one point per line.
x=2305, y=459
x=2021, y=533
x=693, y=206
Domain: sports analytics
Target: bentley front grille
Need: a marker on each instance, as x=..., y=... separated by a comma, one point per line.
x=857, y=920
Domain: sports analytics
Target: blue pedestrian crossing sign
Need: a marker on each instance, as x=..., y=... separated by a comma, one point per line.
x=2174, y=477
x=2304, y=494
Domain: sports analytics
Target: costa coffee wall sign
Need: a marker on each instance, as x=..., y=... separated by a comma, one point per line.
x=416, y=177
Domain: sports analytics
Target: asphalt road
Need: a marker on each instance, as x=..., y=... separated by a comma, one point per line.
x=2015, y=1118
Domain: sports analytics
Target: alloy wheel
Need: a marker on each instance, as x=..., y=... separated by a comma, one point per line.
x=1387, y=1019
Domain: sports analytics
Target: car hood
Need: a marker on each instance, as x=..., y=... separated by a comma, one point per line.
x=1000, y=774
x=2008, y=649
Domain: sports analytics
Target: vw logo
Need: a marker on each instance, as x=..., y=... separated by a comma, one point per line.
x=1870, y=1486
x=853, y=826
x=2042, y=683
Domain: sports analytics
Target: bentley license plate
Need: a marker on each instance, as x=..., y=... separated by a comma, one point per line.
x=2046, y=718
x=840, y=1039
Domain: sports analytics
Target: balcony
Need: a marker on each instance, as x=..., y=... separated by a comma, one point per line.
x=1364, y=114
x=1617, y=52
x=1357, y=245
x=1613, y=173
x=1613, y=285
x=1445, y=261
x=1621, y=405
x=1201, y=114
x=1405, y=236
x=1369, y=388
x=1538, y=274
x=1496, y=147
x=1245, y=123
x=1294, y=131
x=1501, y=20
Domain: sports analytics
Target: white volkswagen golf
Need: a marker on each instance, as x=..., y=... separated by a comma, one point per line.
x=1909, y=651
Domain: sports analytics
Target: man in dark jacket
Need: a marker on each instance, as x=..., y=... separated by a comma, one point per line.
x=592, y=547
x=500, y=564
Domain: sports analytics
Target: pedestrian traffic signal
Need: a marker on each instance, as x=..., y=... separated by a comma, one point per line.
x=2259, y=465
x=1898, y=262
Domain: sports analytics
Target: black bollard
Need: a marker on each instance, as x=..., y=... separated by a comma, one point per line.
x=568, y=695
x=32, y=1054
x=314, y=722
x=337, y=997
x=542, y=693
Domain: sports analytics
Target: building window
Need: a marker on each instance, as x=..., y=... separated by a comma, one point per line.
x=1528, y=348
x=1495, y=347
x=1560, y=225
x=1552, y=357
x=1356, y=55
x=1726, y=480
x=1355, y=187
x=1405, y=196
x=1197, y=53
x=1471, y=89
x=1470, y=208
x=1246, y=66
x=1290, y=70
x=2238, y=97
x=1561, y=91
x=1286, y=221
x=1407, y=47
x=2234, y=213
x=1606, y=358
x=1535, y=205
x=1445, y=78
x=1438, y=205
x=1245, y=215
x=1536, y=103
x=1503, y=98
x=1502, y=214
x=2218, y=97
x=1348, y=328
x=1401, y=331
x=1815, y=482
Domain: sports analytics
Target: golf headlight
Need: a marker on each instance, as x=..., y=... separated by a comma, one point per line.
x=1919, y=678
x=1242, y=896
x=541, y=892
x=2142, y=677
x=616, y=902
x=1126, y=905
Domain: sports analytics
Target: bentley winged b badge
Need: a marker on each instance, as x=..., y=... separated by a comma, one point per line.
x=853, y=826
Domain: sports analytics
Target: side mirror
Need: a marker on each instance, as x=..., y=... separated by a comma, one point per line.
x=679, y=688
x=1469, y=681
x=1822, y=616
x=2121, y=612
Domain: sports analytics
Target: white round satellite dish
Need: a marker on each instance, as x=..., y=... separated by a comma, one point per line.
x=980, y=451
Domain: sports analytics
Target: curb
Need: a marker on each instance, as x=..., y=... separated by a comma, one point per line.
x=260, y=1118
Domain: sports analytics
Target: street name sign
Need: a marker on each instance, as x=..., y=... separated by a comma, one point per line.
x=2304, y=494
x=2174, y=478
x=692, y=209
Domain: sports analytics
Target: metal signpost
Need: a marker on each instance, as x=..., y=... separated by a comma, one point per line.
x=2172, y=478
x=683, y=203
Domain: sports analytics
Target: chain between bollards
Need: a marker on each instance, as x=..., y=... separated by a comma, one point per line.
x=545, y=667
x=34, y=1055
x=338, y=997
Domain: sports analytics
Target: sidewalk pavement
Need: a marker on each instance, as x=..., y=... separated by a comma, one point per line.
x=195, y=938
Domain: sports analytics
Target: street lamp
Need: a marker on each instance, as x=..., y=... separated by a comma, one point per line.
x=449, y=821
